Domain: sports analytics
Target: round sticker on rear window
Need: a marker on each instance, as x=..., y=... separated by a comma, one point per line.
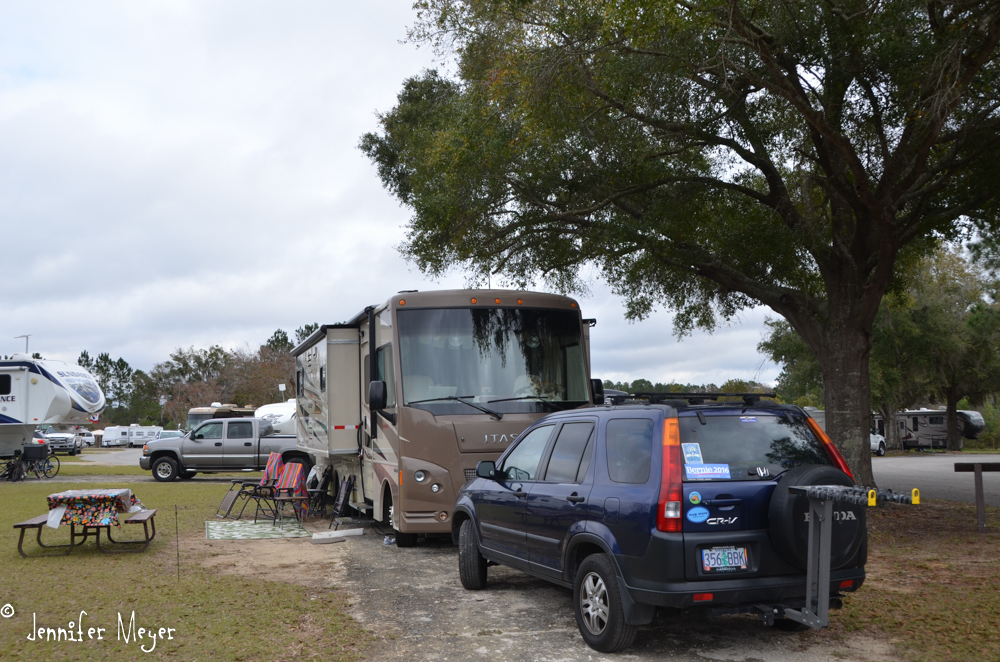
x=698, y=514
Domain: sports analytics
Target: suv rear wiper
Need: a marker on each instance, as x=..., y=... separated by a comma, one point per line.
x=538, y=398
x=458, y=398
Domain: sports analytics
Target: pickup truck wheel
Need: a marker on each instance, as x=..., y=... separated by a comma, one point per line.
x=188, y=475
x=165, y=469
x=471, y=564
x=597, y=603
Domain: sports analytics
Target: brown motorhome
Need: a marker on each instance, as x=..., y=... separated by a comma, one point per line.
x=408, y=396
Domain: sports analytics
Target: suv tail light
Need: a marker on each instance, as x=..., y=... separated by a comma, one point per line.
x=668, y=511
x=831, y=450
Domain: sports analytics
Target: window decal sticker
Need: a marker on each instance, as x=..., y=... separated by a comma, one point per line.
x=706, y=471
x=692, y=453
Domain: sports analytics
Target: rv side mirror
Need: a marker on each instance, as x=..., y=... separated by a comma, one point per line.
x=598, y=387
x=376, y=395
x=486, y=469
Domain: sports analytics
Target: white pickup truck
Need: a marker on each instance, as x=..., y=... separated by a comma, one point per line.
x=219, y=445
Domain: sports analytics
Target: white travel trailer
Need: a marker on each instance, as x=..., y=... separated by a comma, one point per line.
x=280, y=414
x=37, y=392
x=133, y=436
x=928, y=428
x=406, y=398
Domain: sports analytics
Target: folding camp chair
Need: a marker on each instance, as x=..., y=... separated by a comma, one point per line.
x=243, y=490
x=291, y=488
x=318, y=494
x=262, y=494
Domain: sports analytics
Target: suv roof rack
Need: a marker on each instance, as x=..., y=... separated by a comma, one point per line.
x=749, y=399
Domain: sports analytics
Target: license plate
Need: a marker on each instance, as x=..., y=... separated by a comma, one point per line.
x=724, y=559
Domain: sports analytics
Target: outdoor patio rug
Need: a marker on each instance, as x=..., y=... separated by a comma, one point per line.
x=240, y=530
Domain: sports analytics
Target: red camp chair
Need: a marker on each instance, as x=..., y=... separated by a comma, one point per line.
x=291, y=488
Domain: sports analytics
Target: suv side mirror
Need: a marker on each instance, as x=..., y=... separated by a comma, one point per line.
x=197, y=436
x=598, y=387
x=377, y=395
x=486, y=469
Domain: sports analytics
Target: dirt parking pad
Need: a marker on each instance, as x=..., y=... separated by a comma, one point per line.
x=414, y=604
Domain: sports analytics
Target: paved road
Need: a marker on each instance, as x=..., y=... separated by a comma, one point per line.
x=129, y=456
x=935, y=477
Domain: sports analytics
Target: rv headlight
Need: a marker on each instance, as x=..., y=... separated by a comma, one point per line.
x=419, y=476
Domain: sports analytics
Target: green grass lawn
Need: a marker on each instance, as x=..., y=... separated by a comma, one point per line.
x=215, y=616
x=933, y=586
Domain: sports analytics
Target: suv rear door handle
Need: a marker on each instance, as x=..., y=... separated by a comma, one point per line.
x=519, y=494
x=722, y=502
x=572, y=498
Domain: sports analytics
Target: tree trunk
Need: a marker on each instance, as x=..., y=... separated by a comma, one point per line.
x=954, y=438
x=891, y=421
x=847, y=394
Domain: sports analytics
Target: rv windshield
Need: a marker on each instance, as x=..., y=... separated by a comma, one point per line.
x=195, y=419
x=515, y=359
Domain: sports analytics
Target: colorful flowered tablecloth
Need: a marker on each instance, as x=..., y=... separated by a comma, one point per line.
x=91, y=507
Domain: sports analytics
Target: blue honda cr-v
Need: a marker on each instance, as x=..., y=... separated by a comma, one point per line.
x=677, y=503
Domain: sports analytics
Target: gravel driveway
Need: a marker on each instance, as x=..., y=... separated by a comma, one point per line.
x=413, y=600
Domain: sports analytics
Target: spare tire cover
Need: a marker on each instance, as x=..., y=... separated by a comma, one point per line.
x=788, y=515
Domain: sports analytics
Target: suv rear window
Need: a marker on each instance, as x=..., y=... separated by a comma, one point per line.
x=741, y=447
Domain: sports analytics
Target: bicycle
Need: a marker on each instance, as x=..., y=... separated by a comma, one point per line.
x=15, y=469
x=47, y=468
x=40, y=461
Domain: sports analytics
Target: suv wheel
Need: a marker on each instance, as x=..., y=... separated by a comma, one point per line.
x=165, y=469
x=598, y=606
x=471, y=564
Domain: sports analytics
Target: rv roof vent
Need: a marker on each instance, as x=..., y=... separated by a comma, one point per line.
x=215, y=404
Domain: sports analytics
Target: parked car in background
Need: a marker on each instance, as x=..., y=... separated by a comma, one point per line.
x=64, y=439
x=678, y=503
x=877, y=443
x=87, y=437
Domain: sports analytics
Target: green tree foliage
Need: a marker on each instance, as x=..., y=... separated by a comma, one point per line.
x=936, y=340
x=706, y=155
x=801, y=380
x=279, y=342
x=130, y=395
x=304, y=332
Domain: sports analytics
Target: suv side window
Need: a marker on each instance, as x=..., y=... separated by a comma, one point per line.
x=564, y=464
x=522, y=463
x=240, y=430
x=630, y=449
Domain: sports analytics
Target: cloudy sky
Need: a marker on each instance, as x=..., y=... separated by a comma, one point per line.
x=186, y=173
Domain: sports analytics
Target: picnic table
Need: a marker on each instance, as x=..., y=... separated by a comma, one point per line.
x=93, y=510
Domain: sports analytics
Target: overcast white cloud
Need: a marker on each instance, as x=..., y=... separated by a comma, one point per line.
x=186, y=173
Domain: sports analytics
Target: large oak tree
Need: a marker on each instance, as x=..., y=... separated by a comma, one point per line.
x=705, y=155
